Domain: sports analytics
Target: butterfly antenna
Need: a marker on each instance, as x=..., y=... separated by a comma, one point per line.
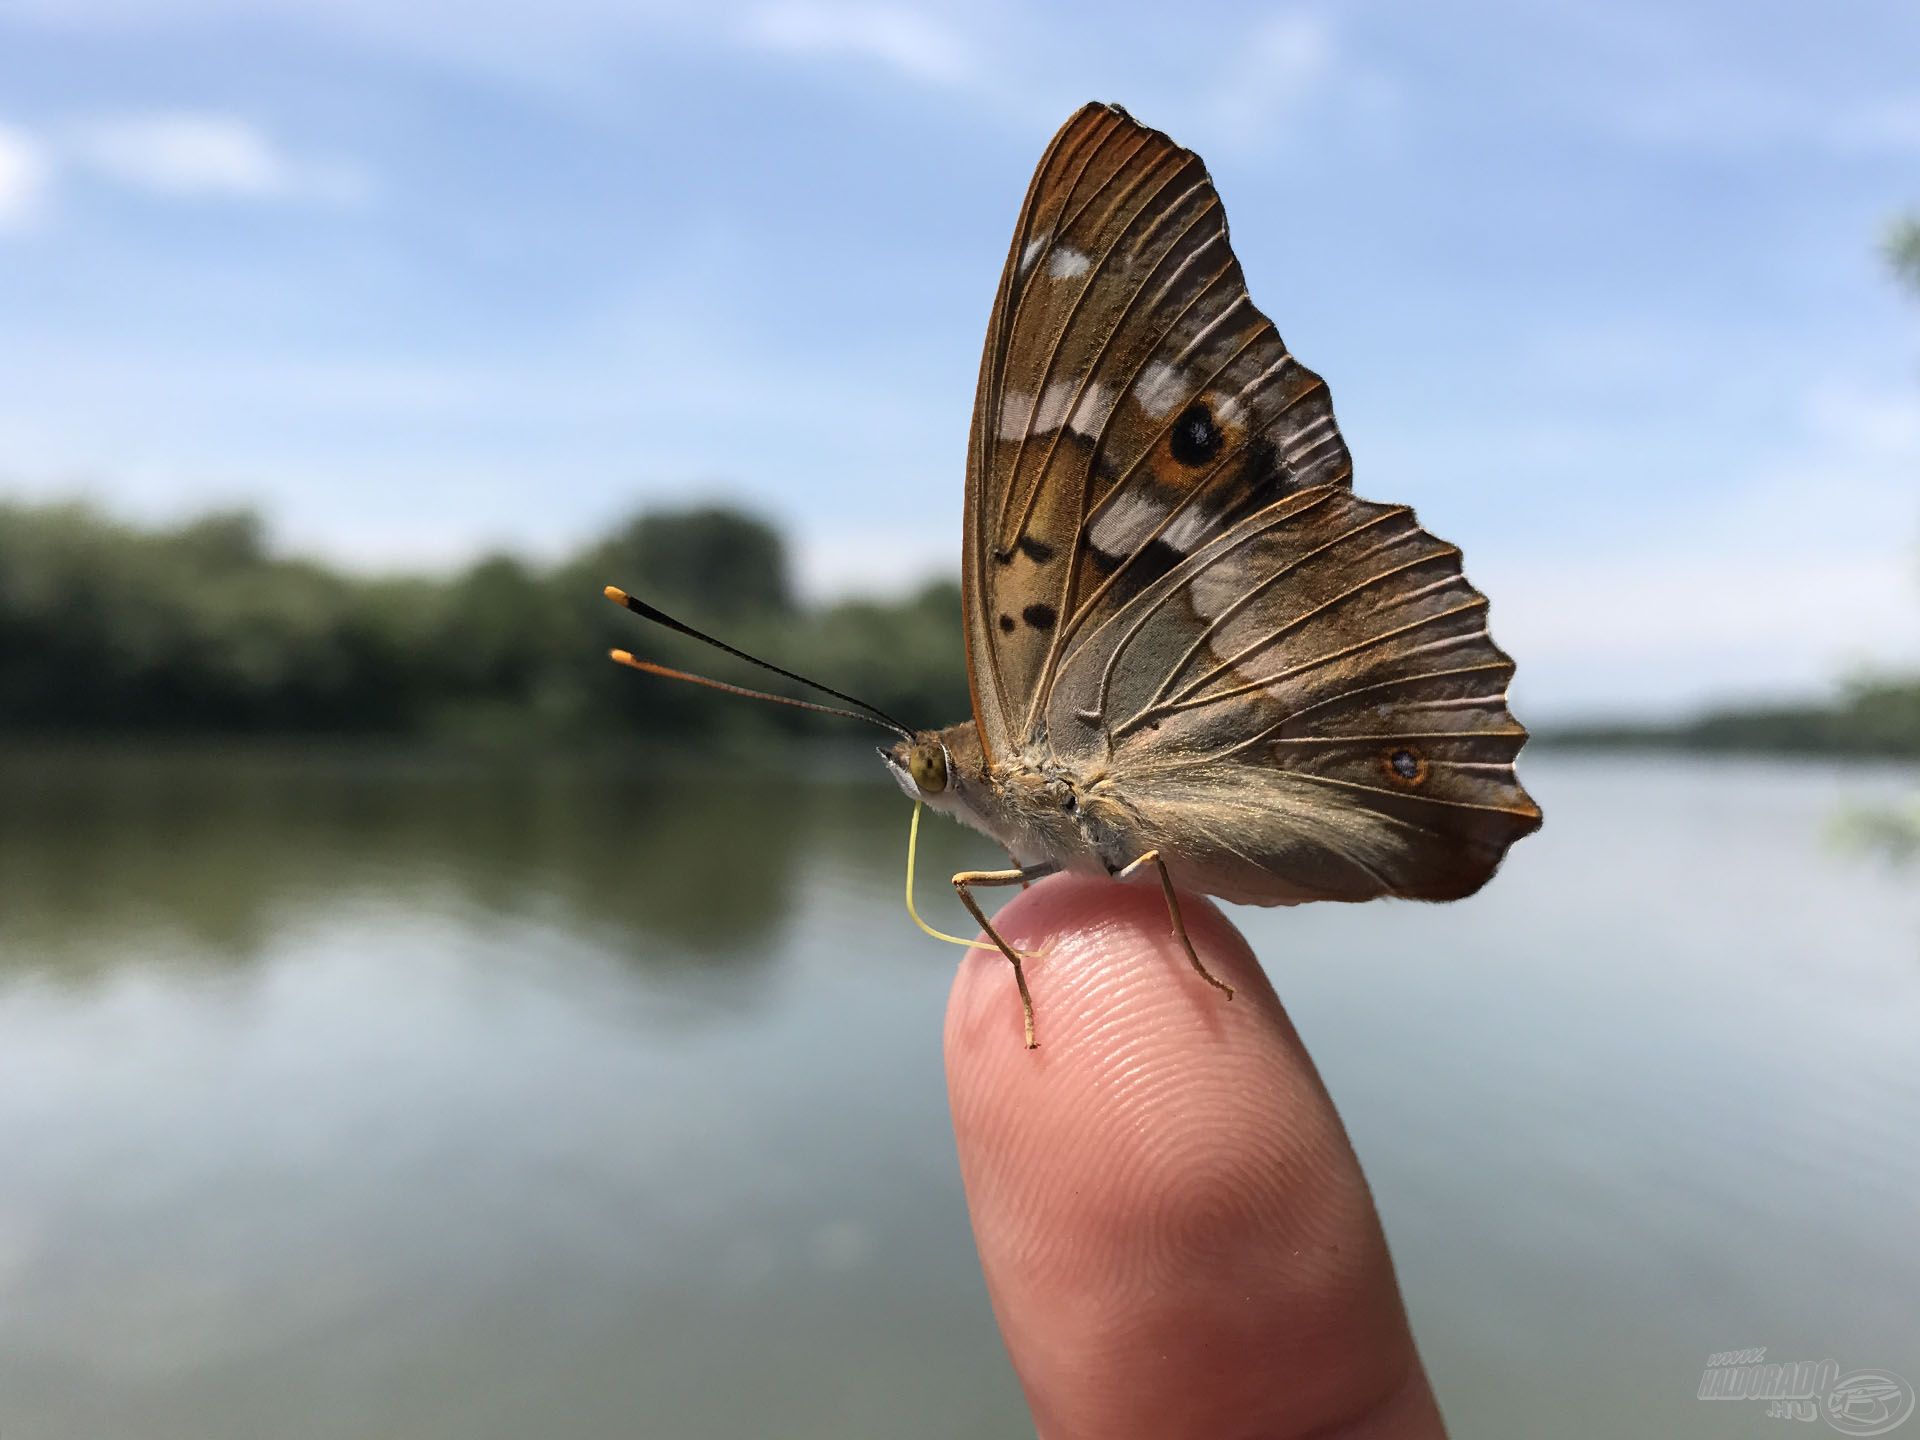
x=864, y=711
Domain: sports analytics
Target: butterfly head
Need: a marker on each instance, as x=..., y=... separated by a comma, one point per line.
x=945, y=768
x=921, y=765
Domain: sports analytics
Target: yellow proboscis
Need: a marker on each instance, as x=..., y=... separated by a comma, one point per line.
x=913, y=846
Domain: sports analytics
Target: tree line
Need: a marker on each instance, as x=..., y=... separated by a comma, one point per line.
x=204, y=628
x=1870, y=716
x=108, y=628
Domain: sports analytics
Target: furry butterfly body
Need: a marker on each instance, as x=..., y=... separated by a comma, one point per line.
x=1189, y=643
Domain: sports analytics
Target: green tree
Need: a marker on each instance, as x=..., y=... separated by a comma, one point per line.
x=202, y=628
x=713, y=561
x=501, y=619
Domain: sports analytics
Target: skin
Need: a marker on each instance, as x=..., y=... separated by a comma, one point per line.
x=1174, y=1228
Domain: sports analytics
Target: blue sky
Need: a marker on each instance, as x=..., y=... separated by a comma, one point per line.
x=1598, y=290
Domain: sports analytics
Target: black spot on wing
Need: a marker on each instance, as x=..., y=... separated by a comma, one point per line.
x=1040, y=617
x=1037, y=551
x=1006, y=624
x=1154, y=561
x=1195, y=439
x=1137, y=571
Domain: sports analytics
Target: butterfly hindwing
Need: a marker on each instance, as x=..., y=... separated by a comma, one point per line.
x=1316, y=684
x=1132, y=401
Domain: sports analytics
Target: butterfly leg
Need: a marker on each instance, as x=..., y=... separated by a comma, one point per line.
x=1152, y=857
x=1020, y=877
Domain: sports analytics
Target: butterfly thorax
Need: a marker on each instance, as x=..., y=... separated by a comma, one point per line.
x=1034, y=805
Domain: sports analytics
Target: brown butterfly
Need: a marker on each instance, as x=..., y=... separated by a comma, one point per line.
x=1191, y=647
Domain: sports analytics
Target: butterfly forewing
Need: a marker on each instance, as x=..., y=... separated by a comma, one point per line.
x=1171, y=592
x=1132, y=400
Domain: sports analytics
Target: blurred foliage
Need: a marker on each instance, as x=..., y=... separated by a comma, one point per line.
x=1892, y=832
x=106, y=627
x=735, y=565
x=1903, y=249
x=1872, y=716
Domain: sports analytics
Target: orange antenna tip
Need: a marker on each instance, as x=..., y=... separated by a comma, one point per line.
x=620, y=657
x=615, y=594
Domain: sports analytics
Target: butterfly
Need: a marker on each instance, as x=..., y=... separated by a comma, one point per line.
x=1191, y=648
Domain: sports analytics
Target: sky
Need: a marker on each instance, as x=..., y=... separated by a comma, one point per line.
x=1598, y=289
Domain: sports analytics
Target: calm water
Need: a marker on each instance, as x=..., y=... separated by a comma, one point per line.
x=342, y=1100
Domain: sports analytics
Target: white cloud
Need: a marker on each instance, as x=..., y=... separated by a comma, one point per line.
x=1024, y=67
x=912, y=45
x=180, y=155
x=23, y=179
x=188, y=154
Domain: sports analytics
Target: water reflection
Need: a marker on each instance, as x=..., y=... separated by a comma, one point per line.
x=124, y=858
x=373, y=1098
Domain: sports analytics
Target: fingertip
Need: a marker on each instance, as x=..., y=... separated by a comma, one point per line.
x=1105, y=967
x=1165, y=1202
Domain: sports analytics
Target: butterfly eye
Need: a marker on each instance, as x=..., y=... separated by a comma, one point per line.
x=928, y=766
